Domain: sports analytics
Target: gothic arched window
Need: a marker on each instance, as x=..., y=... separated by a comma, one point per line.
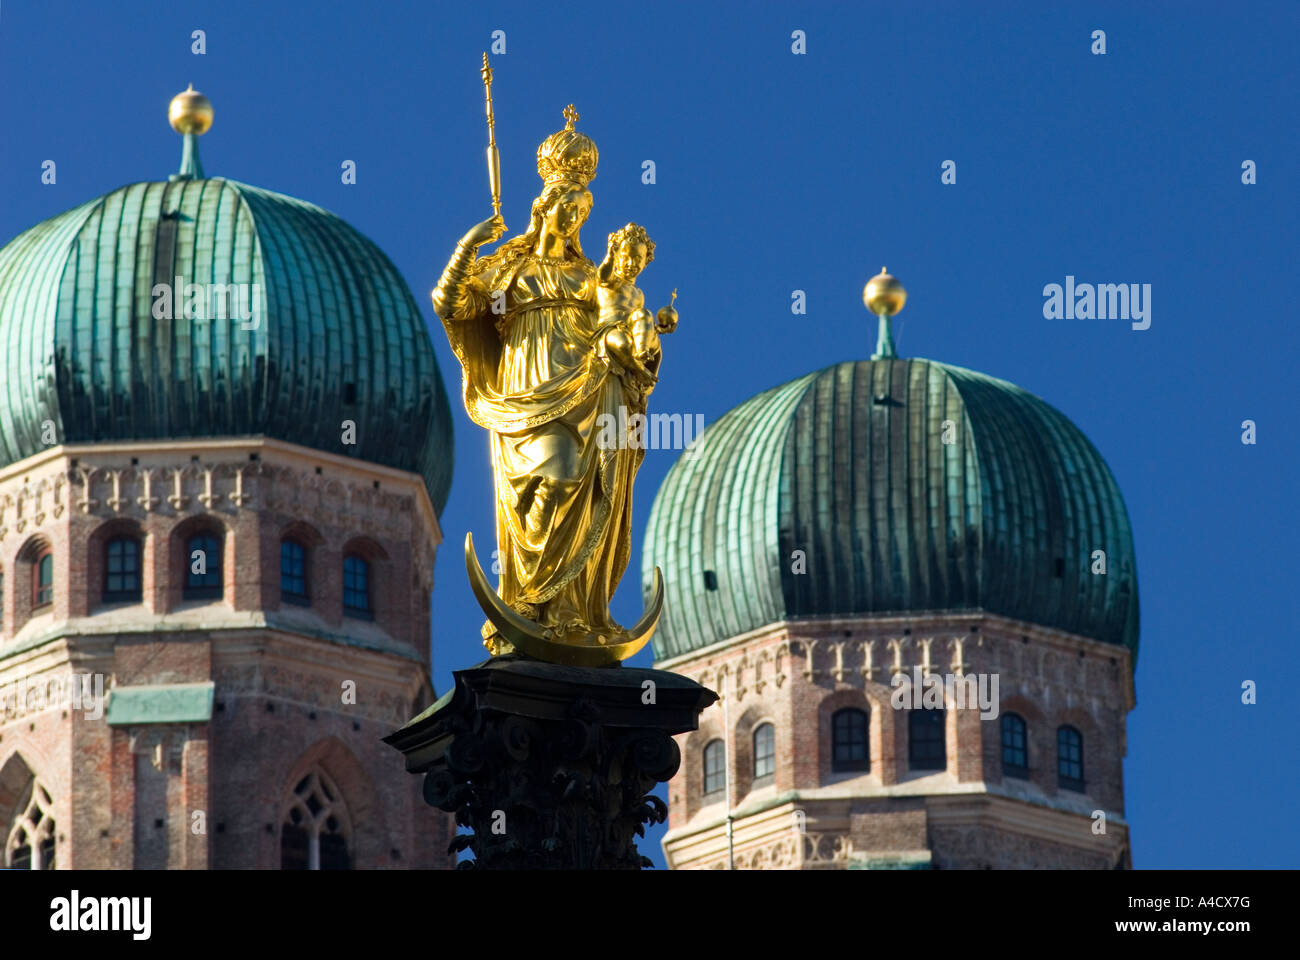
x=30, y=845
x=849, y=740
x=203, y=578
x=764, y=751
x=1015, y=752
x=316, y=832
x=714, y=767
x=122, y=570
x=925, y=736
x=1069, y=759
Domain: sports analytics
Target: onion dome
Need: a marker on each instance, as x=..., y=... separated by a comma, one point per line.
x=890, y=486
x=203, y=307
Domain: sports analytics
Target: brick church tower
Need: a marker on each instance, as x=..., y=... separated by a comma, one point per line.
x=888, y=518
x=224, y=447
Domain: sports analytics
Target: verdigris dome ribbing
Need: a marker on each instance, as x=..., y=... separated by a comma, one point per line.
x=850, y=466
x=333, y=333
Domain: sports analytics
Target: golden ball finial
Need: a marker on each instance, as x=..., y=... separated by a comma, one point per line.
x=190, y=112
x=883, y=294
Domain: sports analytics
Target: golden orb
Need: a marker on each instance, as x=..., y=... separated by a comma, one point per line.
x=883, y=294
x=190, y=112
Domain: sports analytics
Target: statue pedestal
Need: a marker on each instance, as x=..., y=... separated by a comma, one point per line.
x=550, y=765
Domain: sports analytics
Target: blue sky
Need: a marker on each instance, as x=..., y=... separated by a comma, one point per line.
x=778, y=172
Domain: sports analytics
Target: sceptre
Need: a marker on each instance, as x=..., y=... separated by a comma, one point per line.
x=493, y=157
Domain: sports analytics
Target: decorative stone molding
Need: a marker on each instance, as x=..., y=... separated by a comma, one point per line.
x=310, y=688
x=33, y=828
x=896, y=645
x=782, y=854
x=762, y=657
x=855, y=661
x=780, y=656
x=827, y=849
x=111, y=490
x=926, y=663
x=552, y=766
x=297, y=493
x=207, y=497
x=32, y=502
x=304, y=496
x=764, y=666
x=810, y=672
x=147, y=501
x=178, y=500
x=164, y=743
x=868, y=668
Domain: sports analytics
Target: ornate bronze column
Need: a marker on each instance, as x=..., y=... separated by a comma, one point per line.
x=551, y=766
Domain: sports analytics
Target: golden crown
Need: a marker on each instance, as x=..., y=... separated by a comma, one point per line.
x=568, y=154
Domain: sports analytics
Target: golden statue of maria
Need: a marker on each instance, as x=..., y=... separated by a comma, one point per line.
x=551, y=348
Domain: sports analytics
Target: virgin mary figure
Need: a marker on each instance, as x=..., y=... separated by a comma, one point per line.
x=539, y=373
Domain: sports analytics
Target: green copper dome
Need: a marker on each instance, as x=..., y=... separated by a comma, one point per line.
x=850, y=466
x=331, y=333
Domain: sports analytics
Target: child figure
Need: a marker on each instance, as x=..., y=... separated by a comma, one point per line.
x=630, y=331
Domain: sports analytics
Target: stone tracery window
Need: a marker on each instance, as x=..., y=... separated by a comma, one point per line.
x=316, y=832
x=30, y=844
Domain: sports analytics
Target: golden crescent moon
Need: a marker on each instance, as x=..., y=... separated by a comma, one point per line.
x=539, y=642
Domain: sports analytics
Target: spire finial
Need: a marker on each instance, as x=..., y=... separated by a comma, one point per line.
x=570, y=116
x=190, y=112
x=884, y=296
x=190, y=115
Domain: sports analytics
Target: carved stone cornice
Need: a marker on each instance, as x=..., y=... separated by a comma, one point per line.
x=1050, y=668
x=31, y=502
x=551, y=766
x=185, y=488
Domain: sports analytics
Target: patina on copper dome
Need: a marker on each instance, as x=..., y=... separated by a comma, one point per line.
x=334, y=333
x=910, y=486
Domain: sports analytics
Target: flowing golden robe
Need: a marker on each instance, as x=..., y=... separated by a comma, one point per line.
x=537, y=379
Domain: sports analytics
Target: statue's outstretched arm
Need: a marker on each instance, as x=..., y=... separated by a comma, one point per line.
x=457, y=296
